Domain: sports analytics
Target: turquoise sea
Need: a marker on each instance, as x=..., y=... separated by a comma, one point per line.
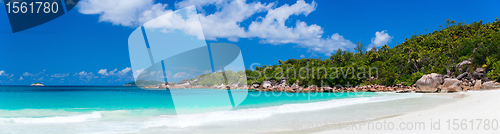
x=87, y=109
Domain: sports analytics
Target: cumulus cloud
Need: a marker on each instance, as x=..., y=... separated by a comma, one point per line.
x=124, y=71
x=21, y=78
x=104, y=71
x=122, y=12
x=271, y=28
x=302, y=56
x=2, y=72
x=120, y=75
x=225, y=21
x=114, y=72
x=380, y=39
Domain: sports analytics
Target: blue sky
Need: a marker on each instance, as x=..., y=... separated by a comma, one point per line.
x=88, y=45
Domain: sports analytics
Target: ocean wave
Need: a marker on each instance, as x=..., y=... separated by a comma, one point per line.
x=188, y=120
x=55, y=119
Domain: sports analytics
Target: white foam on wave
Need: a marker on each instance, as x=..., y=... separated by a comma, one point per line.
x=54, y=119
x=189, y=120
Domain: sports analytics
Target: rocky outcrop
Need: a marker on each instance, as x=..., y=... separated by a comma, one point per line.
x=451, y=85
x=463, y=75
x=490, y=85
x=477, y=85
x=254, y=86
x=429, y=83
x=283, y=82
x=163, y=85
x=266, y=84
x=480, y=74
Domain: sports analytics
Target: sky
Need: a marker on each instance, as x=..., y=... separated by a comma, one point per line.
x=89, y=44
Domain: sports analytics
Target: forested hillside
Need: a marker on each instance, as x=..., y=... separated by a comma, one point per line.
x=436, y=52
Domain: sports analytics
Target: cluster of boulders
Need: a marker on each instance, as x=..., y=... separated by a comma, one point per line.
x=282, y=86
x=476, y=80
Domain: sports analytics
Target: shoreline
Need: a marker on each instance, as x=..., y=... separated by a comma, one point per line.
x=321, y=130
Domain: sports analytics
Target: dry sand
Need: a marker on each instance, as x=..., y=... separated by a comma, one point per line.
x=481, y=107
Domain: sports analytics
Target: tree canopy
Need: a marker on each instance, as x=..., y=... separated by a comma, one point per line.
x=434, y=52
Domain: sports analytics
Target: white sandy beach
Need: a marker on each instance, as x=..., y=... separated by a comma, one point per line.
x=482, y=107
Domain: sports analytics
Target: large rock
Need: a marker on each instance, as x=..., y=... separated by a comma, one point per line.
x=465, y=74
x=478, y=74
x=477, y=85
x=451, y=85
x=295, y=86
x=266, y=84
x=490, y=85
x=255, y=86
x=429, y=82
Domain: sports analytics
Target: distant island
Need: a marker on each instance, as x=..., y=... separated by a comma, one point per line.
x=37, y=84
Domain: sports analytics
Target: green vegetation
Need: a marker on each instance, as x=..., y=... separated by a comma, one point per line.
x=217, y=78
x=494, y=65
x=434, y=52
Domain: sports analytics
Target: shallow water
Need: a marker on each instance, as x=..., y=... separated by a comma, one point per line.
x=134, y=110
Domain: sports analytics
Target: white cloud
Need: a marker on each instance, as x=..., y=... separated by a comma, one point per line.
x=380, y=39
x=170, y=21
x=114, y=72
x=21, y=78
x=60, y=75
x=122, y=12
x=105, y=72
x=124, y=71
x=271, y=28
x=138, y=72
x=27, y=74
x=225, y=21
x=120, y=75
x=198, y=3
x=86, y=76
x=3, y=73
x=302, y=56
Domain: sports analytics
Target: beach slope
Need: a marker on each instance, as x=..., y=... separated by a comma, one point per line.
x=476, y=112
